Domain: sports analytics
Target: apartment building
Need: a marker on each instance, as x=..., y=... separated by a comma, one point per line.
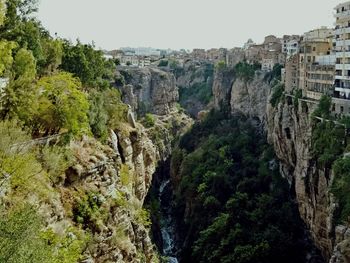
x=342, y=50
x=314, y=44
x=320, y=79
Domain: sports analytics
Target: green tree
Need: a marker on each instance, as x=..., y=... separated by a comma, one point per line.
x=88, y=64
x=6, y=58
x=324, y=107
x=2, y=11
x=52, y=56
x=20, y=240
x=20, y=95
x=62, y=106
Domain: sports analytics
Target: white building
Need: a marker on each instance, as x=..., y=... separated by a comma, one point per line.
x=292, y=47
x=342, y=50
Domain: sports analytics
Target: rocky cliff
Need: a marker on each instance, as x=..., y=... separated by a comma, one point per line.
x=154, y=91
x=250, y=98
x=149, y=90
x=118, y=176
x=289, y=129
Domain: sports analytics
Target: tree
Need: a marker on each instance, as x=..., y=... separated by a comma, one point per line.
x=87, y=64
x=2, y=11
x=20, y=240
x=324, y=107
x=17, y=12
x=52, y=56
x=6, y=58
x=62, y=106
x=20, y=95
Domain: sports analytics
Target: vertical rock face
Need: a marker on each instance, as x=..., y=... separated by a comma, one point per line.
x=289, y=130
x=150, y=90
x=117, y=176
x=222, y=86
x=193, y=73
x=195, y=81
x=250, y=98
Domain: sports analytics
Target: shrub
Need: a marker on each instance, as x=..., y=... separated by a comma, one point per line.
x=87, y=210
x=324, y=107
x=246, y=71
x=163, y=63
x=340, y=189
x=149, y=120
x=20, y=240
x=277, y=94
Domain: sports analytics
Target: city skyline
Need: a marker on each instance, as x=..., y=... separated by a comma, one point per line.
x=112, y=24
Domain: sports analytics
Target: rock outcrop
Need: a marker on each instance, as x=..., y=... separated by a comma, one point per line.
x=223, y=80
x=149, y=90
x=116, y=177
x=250, y=98
x=289, y=128
x=289, y=131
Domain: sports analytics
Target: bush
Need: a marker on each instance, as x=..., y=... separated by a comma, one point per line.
x=87, y=210
x=327, y=142
x=298, y=95
x=149, y=120
x=20, y=240
x=340, y=189
x=220, y=66
x=246, y=71
x=163, y=63
x=277, y=94
x=324, y=107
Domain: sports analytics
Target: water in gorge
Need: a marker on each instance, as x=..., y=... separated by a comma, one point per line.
x=167, y=228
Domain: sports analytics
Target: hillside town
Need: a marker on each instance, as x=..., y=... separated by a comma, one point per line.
x=317, y=62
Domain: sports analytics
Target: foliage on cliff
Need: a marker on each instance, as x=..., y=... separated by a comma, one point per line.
x=235, y=204
x=54, y=88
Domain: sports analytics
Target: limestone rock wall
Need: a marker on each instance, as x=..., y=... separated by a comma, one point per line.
x=289, y=131
x=118, y=175
x=150, y=90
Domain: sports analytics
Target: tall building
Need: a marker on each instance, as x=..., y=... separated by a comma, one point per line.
x=314, y=44
x=342, y=48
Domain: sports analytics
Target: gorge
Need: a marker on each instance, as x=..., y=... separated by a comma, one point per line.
x=179, y=157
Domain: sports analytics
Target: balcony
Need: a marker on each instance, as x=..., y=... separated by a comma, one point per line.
x=342, y=77
x=340, y=89
x=343, y=54
x=342, y=67
x=340, y=43
x=341, y=31
x=342, y=14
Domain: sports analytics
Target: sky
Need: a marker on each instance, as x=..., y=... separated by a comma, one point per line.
x=180, y=24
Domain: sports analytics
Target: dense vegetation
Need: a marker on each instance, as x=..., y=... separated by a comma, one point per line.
x=56, y=88
x=329, y=143
x=246, y=71
x=232, y=204
x=199, y=91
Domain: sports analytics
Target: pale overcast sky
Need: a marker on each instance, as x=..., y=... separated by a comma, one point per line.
x=182, y=23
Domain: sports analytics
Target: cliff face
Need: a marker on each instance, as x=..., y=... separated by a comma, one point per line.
x=222, y=86
x=195, y=81
x=149, y=90
x=117, y=177
x=250, y=98
x=289, y=128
